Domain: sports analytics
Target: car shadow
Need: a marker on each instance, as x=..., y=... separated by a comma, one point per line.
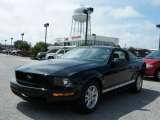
x=111, y=107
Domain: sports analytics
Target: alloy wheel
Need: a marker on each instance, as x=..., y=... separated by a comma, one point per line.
x=91, y=97
x=139, y=82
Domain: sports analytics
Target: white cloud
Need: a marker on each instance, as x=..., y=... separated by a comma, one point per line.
x=126, y=12
x=155, y=2
x=141, y=35
x=139, y=41
x=28, y=16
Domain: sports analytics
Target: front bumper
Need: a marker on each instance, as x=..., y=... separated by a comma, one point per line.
x=40, y=94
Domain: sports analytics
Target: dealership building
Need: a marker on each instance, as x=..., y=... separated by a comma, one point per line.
x=91, y=40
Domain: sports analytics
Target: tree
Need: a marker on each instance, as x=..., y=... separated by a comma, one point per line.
x=17, y=44
x=22, y=45
x=39, y=47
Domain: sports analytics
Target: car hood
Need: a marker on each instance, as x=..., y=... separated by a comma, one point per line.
x=58, y=67
x=151, y=61
x=42, y=52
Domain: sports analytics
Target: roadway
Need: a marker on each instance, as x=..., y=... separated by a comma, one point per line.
x=119, y=106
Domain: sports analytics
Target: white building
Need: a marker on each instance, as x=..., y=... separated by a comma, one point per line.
x=91, y=40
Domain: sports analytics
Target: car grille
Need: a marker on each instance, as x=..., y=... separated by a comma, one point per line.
x=30, y=79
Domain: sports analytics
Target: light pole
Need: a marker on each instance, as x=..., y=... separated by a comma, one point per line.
x=11, y=42
x=94, y=38
x=5, y=44
x=46, y=25
x=158, y=26
x=22, y=34
x=87, y=12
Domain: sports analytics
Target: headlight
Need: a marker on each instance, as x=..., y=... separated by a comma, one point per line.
x=62, y=82
x=149, y=65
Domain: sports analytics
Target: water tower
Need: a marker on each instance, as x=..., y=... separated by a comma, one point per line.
x=78, y=26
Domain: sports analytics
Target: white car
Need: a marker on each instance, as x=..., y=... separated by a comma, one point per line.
x=56, y=55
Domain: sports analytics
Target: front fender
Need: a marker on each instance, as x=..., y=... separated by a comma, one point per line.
x=81, y=79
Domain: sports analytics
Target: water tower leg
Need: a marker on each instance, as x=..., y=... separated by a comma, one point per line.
x=90, y=27
x=78, y=30
x=83, y=28
x=71, y=27
x=74, y=27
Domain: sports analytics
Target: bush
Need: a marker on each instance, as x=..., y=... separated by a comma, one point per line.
x=22, y=45
x=39, y=47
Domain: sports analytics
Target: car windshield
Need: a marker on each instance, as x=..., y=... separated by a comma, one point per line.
x=52, y=51
x=154, y=55
x=88, y=53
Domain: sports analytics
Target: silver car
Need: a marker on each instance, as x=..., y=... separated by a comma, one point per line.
x=56, y=55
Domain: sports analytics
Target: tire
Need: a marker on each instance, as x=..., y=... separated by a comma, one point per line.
x=88, y=100
x=42, y=58
x=137, y=86
x=50, y=57
x=157, y=74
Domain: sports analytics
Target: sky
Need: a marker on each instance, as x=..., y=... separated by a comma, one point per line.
x=132, y=21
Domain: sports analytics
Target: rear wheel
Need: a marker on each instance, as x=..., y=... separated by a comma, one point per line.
x=157, y=74
x=137, y=86
x=42, y=58
x=89, y=98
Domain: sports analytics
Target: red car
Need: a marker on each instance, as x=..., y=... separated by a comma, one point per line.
x=23, y=53
x=139, y=52
x=153, y=64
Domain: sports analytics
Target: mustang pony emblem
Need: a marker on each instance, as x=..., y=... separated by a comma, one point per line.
x=29, y=77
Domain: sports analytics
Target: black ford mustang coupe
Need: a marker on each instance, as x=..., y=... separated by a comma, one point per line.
x=82, y=74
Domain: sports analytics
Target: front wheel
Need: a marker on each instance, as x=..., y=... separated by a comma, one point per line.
x=50, y=57
x=89, y=98
x=157, y=74
x=137, y=86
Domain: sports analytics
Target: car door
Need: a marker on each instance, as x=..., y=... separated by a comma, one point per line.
x=60, y=53
x=119, y=68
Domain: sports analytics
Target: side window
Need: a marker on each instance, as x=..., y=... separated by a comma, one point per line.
x=66, y=51
x=119, y=54
x=61, y=52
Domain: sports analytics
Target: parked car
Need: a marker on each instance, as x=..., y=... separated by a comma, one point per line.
x=14, y=52
x=82, y=74
x=24, y=53
x=42, y=55
x=5, y=51
x=139, y=52
x=56, y=55
x=153, y=64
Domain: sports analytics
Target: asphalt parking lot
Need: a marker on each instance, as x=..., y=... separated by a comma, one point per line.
x=120, y=106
